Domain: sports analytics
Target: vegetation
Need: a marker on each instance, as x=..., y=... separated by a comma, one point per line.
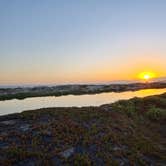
x=22, y=93
x=153, y=107
x=128, y=132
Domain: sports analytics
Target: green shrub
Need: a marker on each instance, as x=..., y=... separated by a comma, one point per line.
x=155, y=113
x=128, y=107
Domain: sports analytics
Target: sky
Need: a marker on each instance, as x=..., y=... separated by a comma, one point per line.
x=81, y=41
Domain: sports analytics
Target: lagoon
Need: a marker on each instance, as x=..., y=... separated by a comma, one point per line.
x=15, y=105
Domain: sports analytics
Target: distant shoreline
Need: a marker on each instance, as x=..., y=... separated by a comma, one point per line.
x=62, y=90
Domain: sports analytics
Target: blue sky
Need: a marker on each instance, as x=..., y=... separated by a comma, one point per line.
x=62, y=41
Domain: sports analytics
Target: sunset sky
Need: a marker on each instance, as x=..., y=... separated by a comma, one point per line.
x=81, y=41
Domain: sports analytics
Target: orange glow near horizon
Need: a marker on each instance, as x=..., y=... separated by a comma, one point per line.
x=97, y=74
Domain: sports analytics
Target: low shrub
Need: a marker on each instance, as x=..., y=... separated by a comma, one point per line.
x=155, y=113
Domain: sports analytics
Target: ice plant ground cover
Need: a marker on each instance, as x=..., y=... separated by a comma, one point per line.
x=128, y=132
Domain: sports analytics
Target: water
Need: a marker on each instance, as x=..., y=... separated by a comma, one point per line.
x=13, y=106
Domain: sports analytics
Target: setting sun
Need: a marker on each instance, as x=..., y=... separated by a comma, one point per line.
x=146, y=75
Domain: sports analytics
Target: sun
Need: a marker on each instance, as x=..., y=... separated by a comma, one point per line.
x=146, y=75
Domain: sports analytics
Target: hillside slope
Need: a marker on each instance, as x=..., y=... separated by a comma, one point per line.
x=131, y=132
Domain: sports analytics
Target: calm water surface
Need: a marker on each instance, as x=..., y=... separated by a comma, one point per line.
x=13, y=106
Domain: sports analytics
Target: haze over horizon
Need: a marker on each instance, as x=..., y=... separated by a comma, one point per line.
x=45, y=42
